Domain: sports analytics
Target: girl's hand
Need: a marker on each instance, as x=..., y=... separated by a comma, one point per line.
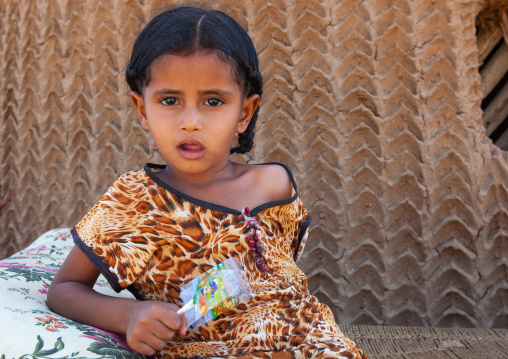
x=151, y=324
x=148, y=325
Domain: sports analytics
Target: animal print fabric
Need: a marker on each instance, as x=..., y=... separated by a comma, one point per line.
x=147, y=237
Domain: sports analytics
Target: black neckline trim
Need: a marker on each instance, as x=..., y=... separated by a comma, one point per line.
x=217, y=207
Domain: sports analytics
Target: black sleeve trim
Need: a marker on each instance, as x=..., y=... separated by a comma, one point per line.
x=97, y=261
x=305, y=227
x=135, y=292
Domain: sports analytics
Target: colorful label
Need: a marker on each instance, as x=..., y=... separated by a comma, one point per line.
x=214, y=292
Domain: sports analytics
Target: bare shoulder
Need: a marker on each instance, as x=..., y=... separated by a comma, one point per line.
x=274, y=180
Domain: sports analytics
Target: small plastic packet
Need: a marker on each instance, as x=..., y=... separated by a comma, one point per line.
x=213, y=292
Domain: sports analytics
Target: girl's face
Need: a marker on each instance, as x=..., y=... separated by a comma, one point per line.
x=193, y=107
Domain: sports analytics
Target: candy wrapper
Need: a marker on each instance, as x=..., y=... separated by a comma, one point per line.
x=215, y=291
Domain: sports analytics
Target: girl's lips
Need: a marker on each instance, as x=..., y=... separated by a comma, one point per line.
x=191, y=149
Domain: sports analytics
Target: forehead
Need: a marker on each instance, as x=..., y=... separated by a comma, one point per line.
x=199, y=66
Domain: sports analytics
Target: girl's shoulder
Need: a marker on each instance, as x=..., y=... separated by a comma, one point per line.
x=275, y=179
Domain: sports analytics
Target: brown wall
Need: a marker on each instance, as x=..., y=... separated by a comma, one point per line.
x=375, y=105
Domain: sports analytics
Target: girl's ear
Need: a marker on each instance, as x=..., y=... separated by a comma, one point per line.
x=139, y=104
x=250, y=104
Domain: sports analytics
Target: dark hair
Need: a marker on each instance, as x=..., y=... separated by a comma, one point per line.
x=184, y=30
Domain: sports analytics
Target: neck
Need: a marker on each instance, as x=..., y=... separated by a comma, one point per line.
x=181, y=181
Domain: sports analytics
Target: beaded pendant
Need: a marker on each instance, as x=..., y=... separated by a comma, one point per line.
x=254, y=237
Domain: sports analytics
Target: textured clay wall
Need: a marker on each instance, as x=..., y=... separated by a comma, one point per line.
x=375, y=105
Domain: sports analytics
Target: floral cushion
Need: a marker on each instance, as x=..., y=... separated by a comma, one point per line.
x=28, y=328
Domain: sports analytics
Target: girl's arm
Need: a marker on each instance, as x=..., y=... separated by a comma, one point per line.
x=146, y=324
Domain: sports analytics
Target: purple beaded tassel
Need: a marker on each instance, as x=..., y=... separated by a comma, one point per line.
x=255, y=239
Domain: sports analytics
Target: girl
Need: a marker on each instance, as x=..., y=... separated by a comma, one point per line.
x=195, y=85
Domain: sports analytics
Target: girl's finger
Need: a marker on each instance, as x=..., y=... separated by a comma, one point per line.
x=155, y=343
x=144, y=349
x=170, y=319
x=162, y=332
x=183, y=328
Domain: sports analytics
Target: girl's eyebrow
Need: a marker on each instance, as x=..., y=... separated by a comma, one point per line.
x=167, y=92
x=216, y=92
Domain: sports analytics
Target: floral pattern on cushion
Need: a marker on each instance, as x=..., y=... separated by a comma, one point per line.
x=28, y=328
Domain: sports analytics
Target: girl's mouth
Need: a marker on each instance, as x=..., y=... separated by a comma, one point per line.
x=191, y=149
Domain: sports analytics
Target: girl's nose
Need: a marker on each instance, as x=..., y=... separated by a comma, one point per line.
x=190, y=120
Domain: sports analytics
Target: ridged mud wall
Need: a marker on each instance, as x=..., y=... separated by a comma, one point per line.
x=375, y=105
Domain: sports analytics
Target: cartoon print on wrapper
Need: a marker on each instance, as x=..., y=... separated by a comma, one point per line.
x=215, y=291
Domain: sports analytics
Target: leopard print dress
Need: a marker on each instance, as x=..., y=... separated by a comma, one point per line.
x=151, y=239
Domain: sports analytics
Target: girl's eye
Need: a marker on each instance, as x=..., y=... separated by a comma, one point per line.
x=213, y=102
x=169, y=101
